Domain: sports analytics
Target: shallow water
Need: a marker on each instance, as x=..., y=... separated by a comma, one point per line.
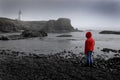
x=53, y=44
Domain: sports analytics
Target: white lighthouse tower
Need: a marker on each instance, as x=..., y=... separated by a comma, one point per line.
x=19, y=15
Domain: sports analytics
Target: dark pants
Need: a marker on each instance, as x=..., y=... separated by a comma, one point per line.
x=89, y=58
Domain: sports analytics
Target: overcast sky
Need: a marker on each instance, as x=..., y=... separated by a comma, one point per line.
x=84, y=14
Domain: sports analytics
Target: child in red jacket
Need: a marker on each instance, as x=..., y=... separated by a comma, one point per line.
x=89, y=47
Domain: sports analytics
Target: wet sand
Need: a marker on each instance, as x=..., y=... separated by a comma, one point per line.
x=16, y=65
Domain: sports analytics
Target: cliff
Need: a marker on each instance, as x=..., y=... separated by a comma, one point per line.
x=35, y=25
x=60, y=25
x=10, y=25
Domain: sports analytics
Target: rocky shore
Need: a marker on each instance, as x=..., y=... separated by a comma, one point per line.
x=64, y=65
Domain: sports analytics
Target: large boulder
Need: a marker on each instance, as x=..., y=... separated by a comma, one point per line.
x=30, y=33
x=4, y=38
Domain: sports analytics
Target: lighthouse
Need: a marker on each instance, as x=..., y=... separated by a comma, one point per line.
x=19, y=15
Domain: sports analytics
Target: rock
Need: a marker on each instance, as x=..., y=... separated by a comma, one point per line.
x=119, y=51
x=11, y=37
x=98, y=47
x=109, y=50
x=116, y=55
x=109, y=32
x=114, y=63
x=15, y=37
x=60, y=25
x=64, y=36
x=25, y=34
x=30, y=33
x=4, y=38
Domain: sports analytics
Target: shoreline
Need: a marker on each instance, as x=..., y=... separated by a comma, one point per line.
x=23, y=66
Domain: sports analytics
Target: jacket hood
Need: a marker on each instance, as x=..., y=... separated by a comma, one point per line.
x=88, y=35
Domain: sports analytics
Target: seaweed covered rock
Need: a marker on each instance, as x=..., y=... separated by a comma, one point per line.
x=30, y=33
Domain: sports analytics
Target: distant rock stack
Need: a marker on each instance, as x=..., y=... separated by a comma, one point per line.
x=60, y=25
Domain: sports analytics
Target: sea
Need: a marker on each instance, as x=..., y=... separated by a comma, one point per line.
x=53, y=44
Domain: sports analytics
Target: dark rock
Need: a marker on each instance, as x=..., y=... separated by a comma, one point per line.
x=64, y=36
x=11, y=37
x=30, y=33
x=25, y=34
x=98, y=47
x=76, y=47
x=109, y=50
x=106, y=50
x=15, y=37
x=4, y=38
x=109, y=32
x=114, y=63
x=119, y=51
x=116, y=55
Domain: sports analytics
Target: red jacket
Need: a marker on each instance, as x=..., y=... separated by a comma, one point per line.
x=89, y=43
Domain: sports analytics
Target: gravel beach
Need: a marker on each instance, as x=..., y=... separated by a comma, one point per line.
x=16, y=65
